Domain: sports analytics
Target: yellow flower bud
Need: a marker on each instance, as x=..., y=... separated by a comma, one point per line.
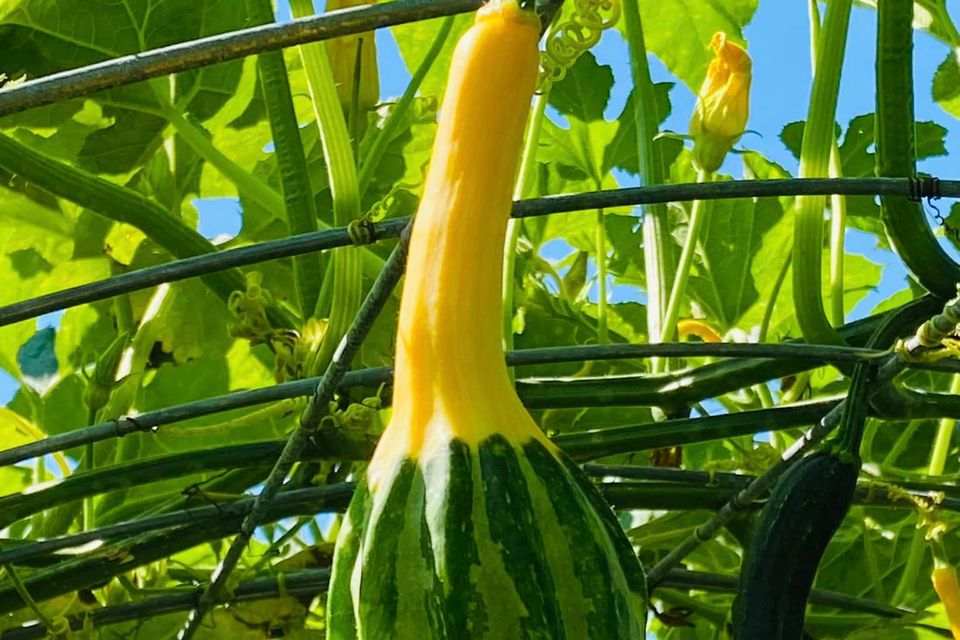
x=342, y=53
x=720, y=117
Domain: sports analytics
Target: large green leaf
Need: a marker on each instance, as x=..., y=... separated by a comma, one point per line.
x=42, y=37
x=585, y=89
x=946, y=83
x=679, y=32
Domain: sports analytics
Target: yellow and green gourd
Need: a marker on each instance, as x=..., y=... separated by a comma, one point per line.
x=470, y=523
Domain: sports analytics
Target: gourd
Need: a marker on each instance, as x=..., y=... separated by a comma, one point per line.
x=470, y=523
x=944, y=579
x=805, y=509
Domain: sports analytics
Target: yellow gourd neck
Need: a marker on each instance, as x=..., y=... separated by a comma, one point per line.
x=450, y=379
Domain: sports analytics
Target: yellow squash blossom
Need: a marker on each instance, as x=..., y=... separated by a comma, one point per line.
x=720, y=116
x=343, y=60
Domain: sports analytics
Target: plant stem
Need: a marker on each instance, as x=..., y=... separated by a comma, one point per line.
x=248, y=186
x=838, y=230
x=697, y=216
x=774, y=294
x=657, y=242
x=838, y=204
x=344, y=187
x=299, y=205
x=601, y=240
x=814, y=161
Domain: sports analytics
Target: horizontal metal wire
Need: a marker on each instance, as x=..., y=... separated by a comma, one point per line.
x=309, y=500
x=189, y=268
x=302, y=583
x=309, y=582
x=374, y=377
x=222, y=47
x=699, y=580
x=322, y=240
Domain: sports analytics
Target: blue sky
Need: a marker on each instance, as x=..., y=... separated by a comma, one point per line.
x=778, y=41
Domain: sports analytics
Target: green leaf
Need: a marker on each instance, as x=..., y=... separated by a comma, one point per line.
x=731, y=237
x=585, y=89
x=946, y=83
x=37, y=38
x=622, y=150
x=858, y=160
x=679, y=33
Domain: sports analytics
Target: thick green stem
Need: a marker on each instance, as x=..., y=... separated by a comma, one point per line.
x=657, y=242
x=774, y=294
x=601, y=239
x=300, y=208
x=344, y=187
x=838, y=204
x=248, y=186
x=814, y=162
x=697, y=216
x=116, y=203
x=838, y=230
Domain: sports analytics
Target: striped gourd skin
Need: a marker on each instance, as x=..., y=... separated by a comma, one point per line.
x=495, y=541
x=471, y=524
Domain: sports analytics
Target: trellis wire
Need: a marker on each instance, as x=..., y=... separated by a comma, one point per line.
x=334, y=444
x=933, y=330
x=222, y=47
x=373, y=377
x=868, y=491
x=309, y=582
x=335, y=497
x=337, y=494
x=233, y=45
x=702, y=581
x=306, y=582
x=309, y=421
x=565, y=203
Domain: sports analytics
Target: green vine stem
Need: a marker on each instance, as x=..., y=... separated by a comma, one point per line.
x=24, y=594
x=838, y=230
x=248, y=186
x=298, y=199
x=528, y=161
x=838, y=204
x=601, y=241
x=760, y=362
x=657, y=242
x=936, y=466
x=814, y=161
x=698, y=214
x=904, y=220
x=344, y=187
x=394, y=121
x=116, y=203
